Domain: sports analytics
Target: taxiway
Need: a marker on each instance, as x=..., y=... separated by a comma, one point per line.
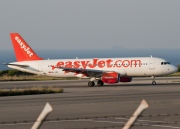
x=94, y=107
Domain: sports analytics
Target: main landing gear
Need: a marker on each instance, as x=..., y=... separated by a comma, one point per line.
x=153, y=81
x=100, y=83
x=91, y=83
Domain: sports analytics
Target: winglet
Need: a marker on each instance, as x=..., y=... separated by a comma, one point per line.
x=22, y=50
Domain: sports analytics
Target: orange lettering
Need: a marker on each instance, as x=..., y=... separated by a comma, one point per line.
x=68, y=64
x=135, y=63
x=108, y=63
x=84, y=64
x=60, y=64
x=117, y=63
x=124, y=64
x=101, y=64
x=94, y=63
x=76, y=64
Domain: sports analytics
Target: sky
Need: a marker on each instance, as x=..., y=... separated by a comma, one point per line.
x=92, y=24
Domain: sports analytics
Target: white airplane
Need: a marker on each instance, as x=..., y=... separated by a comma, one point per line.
x=102, y=70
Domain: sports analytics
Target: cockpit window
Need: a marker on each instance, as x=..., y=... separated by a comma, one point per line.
x=165, y=63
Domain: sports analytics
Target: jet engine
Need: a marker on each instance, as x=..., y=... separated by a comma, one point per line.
x=110, y=77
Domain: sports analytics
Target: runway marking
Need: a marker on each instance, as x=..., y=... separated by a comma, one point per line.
x=55, y=121
x=17, y=124
x=142, y=120
x=173, y=127
x=155, y=125
x=125, y=122
x=91, y=120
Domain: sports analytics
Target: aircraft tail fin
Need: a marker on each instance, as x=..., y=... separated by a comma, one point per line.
x=22, y=50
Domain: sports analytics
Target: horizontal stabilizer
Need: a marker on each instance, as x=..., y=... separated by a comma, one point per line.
x=18, y=65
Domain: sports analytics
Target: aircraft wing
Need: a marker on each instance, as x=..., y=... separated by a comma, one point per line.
x=86, y=72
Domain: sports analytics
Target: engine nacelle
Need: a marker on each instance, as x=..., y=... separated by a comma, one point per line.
x=125, y=79
x=110, y=77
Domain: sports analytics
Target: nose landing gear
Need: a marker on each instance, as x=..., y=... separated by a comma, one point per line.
x=153, y=81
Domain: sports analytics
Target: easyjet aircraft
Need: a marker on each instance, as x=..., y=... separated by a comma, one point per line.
x=102, y=70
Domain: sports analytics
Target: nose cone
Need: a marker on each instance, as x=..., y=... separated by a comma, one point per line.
x=174, y=69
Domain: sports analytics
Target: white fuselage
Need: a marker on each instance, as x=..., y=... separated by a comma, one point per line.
x=136, y=66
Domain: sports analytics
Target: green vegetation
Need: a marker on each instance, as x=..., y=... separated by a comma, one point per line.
x=13, y=72
x=178, y=68
x=15, y=75
x=177, y=73
x=29, y=91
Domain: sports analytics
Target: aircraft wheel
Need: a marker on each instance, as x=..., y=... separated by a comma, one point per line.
x=154, y=83
x=91, y=83
x=100, y=83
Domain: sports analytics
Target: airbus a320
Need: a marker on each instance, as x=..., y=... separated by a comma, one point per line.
x=100, y=70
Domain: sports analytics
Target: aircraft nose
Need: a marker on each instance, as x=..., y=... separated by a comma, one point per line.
x=174, y=69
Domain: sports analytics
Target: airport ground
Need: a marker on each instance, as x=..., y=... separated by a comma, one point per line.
x=81, y=107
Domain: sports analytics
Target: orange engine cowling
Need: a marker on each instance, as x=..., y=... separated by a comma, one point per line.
x=125, y=79
x=110, y=77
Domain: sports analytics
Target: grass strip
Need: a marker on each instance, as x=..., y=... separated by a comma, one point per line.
x=177, y=74
x=30, y=91
x=33, y=78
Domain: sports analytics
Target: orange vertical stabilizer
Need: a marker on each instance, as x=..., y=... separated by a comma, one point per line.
x=22, y=50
